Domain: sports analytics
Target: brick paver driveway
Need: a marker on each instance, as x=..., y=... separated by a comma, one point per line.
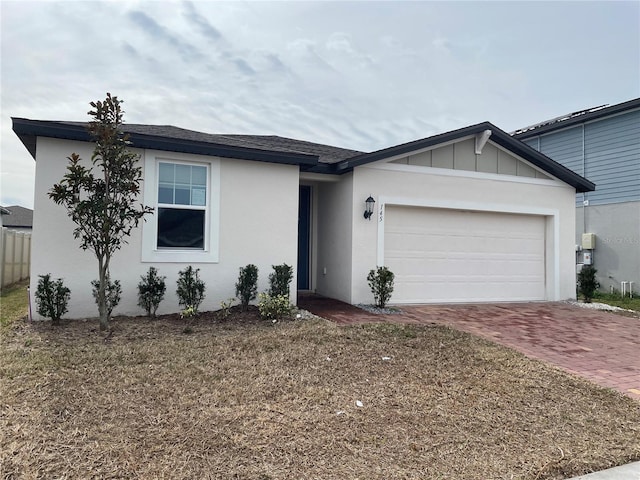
x=600, y=346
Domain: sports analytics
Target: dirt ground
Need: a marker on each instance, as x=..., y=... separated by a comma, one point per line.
x=245, y=398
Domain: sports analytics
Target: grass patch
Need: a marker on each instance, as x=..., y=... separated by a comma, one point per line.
x=255, y=400
x=618, y=301
x=14, y=302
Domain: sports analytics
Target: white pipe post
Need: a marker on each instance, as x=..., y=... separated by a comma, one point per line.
x=29, y=299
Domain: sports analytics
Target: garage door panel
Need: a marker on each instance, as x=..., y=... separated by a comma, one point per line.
x=464, y=291
x=441, y=255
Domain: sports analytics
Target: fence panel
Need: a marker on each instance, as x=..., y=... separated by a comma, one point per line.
x=26, y=261
x=15, y=256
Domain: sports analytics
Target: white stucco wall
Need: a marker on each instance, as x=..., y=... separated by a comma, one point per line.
x=423, y=186
x=257, y=224
x=334, y=244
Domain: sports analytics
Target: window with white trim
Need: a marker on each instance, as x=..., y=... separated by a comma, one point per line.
x=184, y=191
x=182, y=206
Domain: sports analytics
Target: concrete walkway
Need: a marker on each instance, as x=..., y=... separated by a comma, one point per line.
x=601, y=346
x=630, y=471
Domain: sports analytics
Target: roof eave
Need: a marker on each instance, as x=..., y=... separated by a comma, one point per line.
x=540, y=160
x=581, y=184
x=219, y=150
x=365, y=158
x=28, y=130
x=587, y=117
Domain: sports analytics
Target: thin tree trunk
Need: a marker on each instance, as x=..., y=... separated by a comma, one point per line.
x=102, y=300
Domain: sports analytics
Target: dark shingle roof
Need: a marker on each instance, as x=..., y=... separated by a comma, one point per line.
x=18, y=217
x=309, y=156
x=325, y=153
x=271, y=143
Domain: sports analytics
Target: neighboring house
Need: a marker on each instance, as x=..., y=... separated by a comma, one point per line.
x=471, y=215
x=15, y=244
x=602, y=144
x=3, y=213
x=20, y=219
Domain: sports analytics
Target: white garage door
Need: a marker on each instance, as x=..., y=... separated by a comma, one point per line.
x=442, y=255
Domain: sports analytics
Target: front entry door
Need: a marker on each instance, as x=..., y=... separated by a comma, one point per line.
x=304, y=237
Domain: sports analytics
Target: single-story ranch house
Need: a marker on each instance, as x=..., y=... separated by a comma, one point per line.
x=472, y=215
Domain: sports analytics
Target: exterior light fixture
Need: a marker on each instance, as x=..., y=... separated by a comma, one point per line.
x=369, y=210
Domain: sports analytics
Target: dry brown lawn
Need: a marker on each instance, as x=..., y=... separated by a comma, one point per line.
x=247, y=399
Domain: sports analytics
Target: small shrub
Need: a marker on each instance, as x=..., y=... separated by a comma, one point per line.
x=188, y=312
x=190, y=289
x=112, y=292
x=280, y=280
x=151, y=291
x=587, y=282
x=381, y=284
x=273, y=308
x=52, y=298
x=225, y=308
x=247, y=286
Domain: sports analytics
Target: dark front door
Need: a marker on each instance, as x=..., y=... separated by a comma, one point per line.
x=304, y=237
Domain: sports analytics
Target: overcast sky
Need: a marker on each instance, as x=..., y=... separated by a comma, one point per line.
x=360, y=75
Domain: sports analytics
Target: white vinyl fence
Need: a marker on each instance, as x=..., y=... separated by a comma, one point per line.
x=15, y=256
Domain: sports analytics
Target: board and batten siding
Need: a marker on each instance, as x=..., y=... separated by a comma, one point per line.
x=606, y=151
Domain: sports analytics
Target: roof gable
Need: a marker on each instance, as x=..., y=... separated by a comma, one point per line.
x=498, y=137
x=462, y=155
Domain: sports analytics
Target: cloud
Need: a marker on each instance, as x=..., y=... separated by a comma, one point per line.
x=275, y=62
x=341, y=43
x=268, y=62
x=157, y=31
x=441, y=43
x=305, y=50
x=130, y=50
x=202, y=24
x=243, y=66
x=306, y=70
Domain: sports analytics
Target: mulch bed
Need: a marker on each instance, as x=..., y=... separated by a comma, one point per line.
x=245, y=398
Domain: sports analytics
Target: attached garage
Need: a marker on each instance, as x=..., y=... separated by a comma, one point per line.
x=448, y=255
x=467, y=216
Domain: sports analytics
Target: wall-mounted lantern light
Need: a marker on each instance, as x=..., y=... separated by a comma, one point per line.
x=369, y=210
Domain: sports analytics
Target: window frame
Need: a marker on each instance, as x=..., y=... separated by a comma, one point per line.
x=183, y=206
x=150, y=250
